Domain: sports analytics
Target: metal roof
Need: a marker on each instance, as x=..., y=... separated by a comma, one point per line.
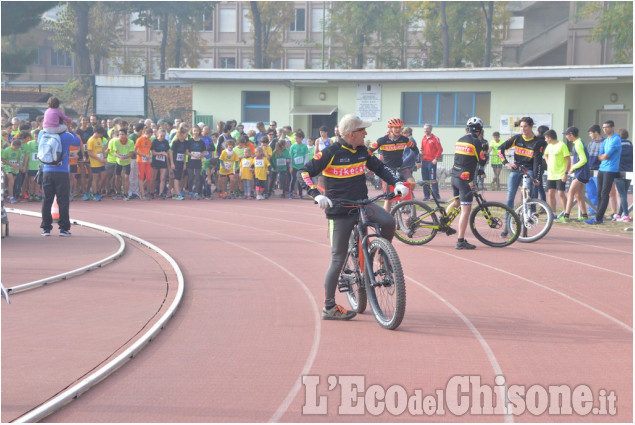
x=312, y=76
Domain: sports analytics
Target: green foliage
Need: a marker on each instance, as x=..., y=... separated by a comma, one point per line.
x=615, y=23
x=275, y=18
x=360, y=27
x=20, y=17
x=467, y=28
x=67, y=92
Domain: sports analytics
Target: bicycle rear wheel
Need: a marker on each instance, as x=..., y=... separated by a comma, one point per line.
x=352, y=277
x=495, y=224
x=387, y=289
x=416, y=223
x=536, y=219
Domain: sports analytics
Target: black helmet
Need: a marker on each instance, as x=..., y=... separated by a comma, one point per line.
x=475, y=124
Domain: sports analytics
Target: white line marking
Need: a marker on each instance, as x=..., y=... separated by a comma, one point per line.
x=479, y=337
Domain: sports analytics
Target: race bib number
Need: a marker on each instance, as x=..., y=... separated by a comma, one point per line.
x=196, y=155
x=73, y=154
x=259, y=163
x=34, y=157
x=228, y=165
x=180, y=157
x=280, y=162
x=100, y=155
x=246, y=163
x=160, y=158
x=298, y=160
x=144, y=158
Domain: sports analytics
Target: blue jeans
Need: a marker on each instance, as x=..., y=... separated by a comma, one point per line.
x=622, y=188
x=513, y=182
x=429, y=172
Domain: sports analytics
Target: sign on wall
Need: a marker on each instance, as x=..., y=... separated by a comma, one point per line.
x=369, y=101
x=510, y=123
x=120, y=95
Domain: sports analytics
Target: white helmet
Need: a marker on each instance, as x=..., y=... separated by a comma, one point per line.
x=475, y=124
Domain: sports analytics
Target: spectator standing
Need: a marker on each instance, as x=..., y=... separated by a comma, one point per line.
x=581, y=174
x=609, y=156
x=56, y=183
x=621, y=183
x=431, y=152
x=13, y=158
x=593, y=148
x=558, y=162
x=298, y=153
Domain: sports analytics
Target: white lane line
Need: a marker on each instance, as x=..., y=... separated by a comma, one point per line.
x=555, y=291
x=604, y=269
x=587, y=245
x=481, y=340
x=317, y=326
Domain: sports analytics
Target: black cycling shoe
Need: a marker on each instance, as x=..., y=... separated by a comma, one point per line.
x=464, y=245
x=449, y=231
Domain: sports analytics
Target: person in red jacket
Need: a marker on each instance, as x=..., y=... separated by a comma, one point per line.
x=431, y=151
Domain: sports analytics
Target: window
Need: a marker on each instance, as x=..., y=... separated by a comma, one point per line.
x=246, y=63
x=206, y=63
x=227, y=20
x=317, y=16
x=446, y=109
x=298, y=25
x=40, y=58
x=293, y=63
x=228, y=62
x=59, y=58
x=246, y=21
x=208, y=22
x=156, y=23
x=256, y=106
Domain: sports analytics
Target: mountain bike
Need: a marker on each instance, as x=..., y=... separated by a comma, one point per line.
x=417, y=223
x=372, y=270
x=536, y=217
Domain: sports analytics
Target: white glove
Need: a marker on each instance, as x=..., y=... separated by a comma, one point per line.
x=402, y=189
x=323, y=201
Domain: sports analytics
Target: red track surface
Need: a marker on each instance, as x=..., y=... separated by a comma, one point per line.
x=555, y=312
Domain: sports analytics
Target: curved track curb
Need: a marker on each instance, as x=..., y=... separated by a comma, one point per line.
x=66, y=275
x=103, y=372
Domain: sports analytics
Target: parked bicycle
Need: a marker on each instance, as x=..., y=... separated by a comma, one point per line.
x=418, y=223
x=536, y=216
x=372, y=270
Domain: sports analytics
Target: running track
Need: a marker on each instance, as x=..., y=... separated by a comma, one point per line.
x=556, y=312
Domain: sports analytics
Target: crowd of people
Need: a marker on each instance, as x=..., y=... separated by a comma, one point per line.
x=170, y=159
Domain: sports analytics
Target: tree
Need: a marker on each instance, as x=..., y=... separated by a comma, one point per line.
x=465, y=42
x=181, y=12
x=269, y=20
x=488, y=11
x=359, y=27
x=614, y=23
x=20, y=17
x=17, y=19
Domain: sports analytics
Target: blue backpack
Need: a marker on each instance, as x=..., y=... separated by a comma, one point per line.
x=49, y=149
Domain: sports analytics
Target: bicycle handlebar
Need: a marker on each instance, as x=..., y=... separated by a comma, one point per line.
x=525, y=172
x=340, y=202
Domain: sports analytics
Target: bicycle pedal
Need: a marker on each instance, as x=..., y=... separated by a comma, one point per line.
x=343, y=287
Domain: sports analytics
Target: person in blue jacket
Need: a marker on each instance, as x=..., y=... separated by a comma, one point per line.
x=621, y=183
x=56, y=182
x=609, y=156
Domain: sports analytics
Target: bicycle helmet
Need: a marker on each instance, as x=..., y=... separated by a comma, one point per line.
x=475, y=124
x=395, y=122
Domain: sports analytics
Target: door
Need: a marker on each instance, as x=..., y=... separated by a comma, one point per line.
x=317, y=121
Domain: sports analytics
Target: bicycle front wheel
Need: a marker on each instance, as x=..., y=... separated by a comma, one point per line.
x=416, y=223
x=353, y=278
x=536, y=219
x=386, y=288
x=495, y=224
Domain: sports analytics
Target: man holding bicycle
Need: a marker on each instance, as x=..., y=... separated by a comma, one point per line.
x=343, y=165
x=468, y=154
